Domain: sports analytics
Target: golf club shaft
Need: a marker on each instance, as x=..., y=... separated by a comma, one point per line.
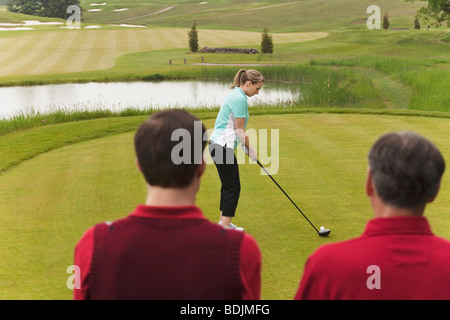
x=287, y=196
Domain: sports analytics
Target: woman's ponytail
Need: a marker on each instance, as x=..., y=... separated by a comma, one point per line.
x=242, y=76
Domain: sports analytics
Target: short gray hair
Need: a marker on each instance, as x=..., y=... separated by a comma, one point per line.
x=406, y=169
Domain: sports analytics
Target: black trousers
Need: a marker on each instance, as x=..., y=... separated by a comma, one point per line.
x=228, y=169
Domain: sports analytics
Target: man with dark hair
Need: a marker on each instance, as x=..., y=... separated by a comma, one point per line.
x=397, y=256
x=167, y=249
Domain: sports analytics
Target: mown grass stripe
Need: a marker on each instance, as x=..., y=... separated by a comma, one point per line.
x=62, y=49
x=10, y=50
x=33, y=55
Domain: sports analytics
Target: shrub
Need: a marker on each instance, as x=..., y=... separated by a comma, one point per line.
x=416, y=23
x=153, y=77
x=266, y=42
x=386, y=21
x=193, y=38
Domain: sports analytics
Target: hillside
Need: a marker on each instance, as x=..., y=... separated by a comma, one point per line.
x=251, y=15
x=279, y=16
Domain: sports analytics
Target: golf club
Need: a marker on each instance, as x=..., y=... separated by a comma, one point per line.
x=322, y=232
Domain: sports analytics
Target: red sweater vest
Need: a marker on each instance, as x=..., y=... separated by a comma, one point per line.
x=161, y=259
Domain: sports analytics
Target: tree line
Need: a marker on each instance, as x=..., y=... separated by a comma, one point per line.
x=42, y=8
x=436, y=10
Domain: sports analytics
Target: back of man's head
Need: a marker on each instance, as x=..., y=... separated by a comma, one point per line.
x=406, y=169
x=154, y=144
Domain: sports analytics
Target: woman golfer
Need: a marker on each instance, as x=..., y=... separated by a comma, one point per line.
x=229, y=131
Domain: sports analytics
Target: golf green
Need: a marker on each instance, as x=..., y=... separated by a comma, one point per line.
x=47, y=202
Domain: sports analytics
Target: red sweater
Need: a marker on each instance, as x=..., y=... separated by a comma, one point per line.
x=167, y=253
x=395, y=258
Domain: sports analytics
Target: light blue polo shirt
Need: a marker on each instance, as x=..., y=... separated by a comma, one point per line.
x=234, y=106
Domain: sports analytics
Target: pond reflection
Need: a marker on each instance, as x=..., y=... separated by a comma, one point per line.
x=117, y=96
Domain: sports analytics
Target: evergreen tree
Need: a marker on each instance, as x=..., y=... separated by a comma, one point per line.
x=416, y=23
x=58, y=8
x=436, y=10
x=32, y=7
x=43, y=8
x=16, y=5
x=266, y=42
x=193, y=38
x=386, y=21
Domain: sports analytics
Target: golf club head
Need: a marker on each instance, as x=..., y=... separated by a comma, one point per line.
x=324, y=232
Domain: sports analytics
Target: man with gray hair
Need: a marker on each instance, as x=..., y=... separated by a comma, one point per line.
x=397, y=256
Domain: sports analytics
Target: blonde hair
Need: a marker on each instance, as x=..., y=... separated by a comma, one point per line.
x=242, y=76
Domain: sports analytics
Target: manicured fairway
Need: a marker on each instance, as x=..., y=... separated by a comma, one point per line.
x=64, y=51
x=47, y=202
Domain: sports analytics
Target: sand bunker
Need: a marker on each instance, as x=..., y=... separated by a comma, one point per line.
x=25, y=25
x=10, y=24
x=87, y=27
x=120, y=10
x=94, y=10
x=16, y=28
x=38, y=23
x=128, y=25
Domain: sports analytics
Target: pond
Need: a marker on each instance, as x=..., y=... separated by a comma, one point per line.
x=117, y=96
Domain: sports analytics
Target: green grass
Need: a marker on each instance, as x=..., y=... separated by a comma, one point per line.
x=47, y=202
x=406, y=69
x=387, y=71
x=54, y=51
x=62, y=172
x=29, y=121
x=24, y=137
x=302, y=15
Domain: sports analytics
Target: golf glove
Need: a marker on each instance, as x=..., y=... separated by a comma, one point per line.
x=252, y=154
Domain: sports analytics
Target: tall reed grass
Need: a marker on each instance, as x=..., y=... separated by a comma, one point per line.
x=319, y=86
x=24, y=121
x=430, y=83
